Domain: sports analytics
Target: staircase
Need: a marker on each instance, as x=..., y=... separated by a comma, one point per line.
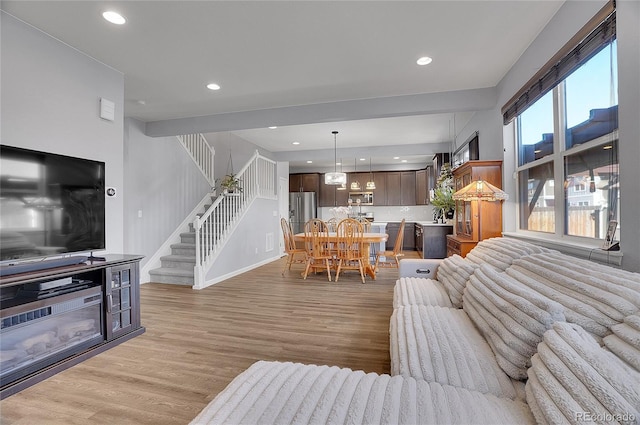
x=177, y=268
x=202, y=242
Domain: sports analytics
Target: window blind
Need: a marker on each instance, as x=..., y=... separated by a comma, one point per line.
x=599, y=32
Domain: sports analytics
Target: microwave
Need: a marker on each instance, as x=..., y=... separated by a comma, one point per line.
x=361, y=198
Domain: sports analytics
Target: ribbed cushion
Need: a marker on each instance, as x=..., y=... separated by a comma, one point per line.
x=594, y=296
x=419, y=291
x=500, y=252
x=625, y=341
x=440, y=344
x=290, y=393
x=574, y=380
x=510, y=316
x=453, y=273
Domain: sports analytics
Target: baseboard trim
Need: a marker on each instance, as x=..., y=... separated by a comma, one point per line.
x=238, y=272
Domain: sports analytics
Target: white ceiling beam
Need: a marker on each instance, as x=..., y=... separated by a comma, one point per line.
x=394, y=106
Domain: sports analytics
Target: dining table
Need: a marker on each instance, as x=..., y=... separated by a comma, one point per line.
x=368, y=239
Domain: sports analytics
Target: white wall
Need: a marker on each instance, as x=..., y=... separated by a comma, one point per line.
x=241, y=152
x=162, y=184
x=628, y=30
x=247, y=246
x=50, y=102
x=572, y=16
x=488, y=124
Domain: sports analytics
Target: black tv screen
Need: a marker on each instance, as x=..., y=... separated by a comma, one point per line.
x=49, y=204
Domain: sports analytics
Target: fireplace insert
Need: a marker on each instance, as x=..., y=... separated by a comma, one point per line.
x=47, y=323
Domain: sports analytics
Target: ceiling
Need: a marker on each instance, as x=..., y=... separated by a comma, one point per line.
x=290, y=55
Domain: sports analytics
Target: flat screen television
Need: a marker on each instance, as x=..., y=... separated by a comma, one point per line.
x=50, y=204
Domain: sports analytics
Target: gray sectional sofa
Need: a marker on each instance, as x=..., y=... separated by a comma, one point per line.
x=513, y=333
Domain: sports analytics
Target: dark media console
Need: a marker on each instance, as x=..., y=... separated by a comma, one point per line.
x=53, y=318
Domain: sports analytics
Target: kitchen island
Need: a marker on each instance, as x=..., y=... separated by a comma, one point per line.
x=431, y=238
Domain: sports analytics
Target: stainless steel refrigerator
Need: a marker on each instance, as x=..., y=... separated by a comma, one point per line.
x=302, y=207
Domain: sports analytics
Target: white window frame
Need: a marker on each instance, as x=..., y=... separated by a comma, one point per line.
x=560, y=152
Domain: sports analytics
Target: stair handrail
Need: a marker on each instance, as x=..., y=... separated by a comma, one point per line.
x=202, y=154
x=212, y=228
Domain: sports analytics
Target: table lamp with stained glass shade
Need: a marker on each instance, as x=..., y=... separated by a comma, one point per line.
x=480, y=190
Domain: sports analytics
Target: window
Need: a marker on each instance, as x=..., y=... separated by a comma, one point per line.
x=567, y=144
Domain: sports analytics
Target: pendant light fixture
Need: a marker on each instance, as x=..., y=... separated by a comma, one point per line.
x=371, y=185
x=335, y=178
x=343, y=186
x=355, y=184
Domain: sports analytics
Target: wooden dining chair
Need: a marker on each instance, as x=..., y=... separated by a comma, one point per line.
x=332, y=224
x=392, y=257
x=366, y=224
x=351, y=253
x=294, y=254
x=317, y=246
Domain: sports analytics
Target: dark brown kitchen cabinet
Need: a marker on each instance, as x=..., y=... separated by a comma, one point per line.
x=409, y=240
x=380, y=192
x=394, y=188
x=408, y=188
x=327, y=194
x=309, y=182
x=424, y=183
x=331, y=196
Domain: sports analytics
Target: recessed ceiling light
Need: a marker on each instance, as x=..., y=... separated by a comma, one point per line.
x=114, y=17
x=213, y=86
x=363, y=159
x=338, y=163
x=309, y=162
x=396, y=157
x=425, y=60
x=295, y=143
x=273, y=127
x=404, y=160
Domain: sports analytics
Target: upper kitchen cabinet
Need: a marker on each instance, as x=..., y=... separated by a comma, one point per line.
x=330, y=196
x=327, y=195
x=309, y=182
x=424, y=183
x=394, y=188
x=400, y=188
x=408, y=188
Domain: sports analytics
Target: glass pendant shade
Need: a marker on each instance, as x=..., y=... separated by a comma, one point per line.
x=371, y=185
x=335, y=178
x=355, y=185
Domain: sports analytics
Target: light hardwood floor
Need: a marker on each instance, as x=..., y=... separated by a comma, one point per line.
x=196, y=342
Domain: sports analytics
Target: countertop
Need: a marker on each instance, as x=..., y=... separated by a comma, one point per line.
x=421, y=223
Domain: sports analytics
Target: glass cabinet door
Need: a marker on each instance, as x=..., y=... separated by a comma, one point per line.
x=118, y=301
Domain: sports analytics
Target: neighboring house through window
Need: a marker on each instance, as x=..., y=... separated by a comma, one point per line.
x=567, y=142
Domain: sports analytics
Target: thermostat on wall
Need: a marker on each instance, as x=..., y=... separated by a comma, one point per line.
x=107, y=109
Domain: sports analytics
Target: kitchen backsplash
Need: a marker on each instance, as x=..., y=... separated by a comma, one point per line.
x=393, y=213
